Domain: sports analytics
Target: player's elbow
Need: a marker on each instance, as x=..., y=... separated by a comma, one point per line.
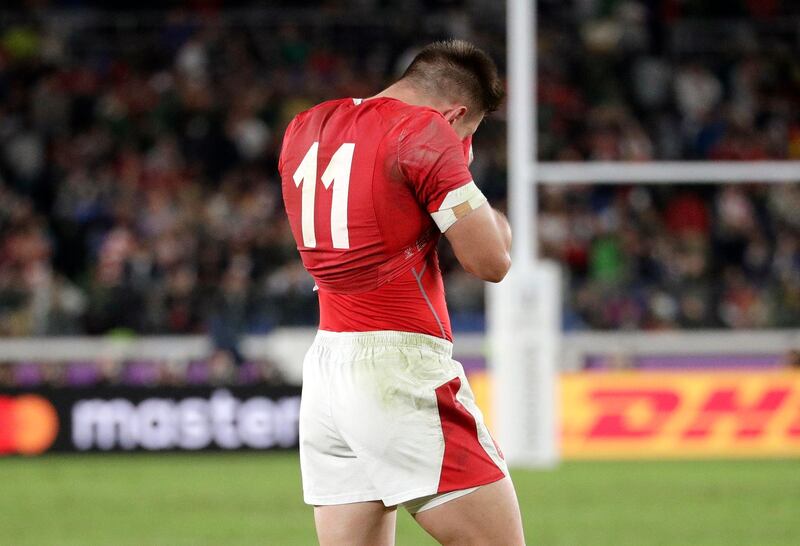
x=493, y=269
x=500, y=270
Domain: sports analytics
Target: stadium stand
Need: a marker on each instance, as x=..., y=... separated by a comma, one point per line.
x=138, y=163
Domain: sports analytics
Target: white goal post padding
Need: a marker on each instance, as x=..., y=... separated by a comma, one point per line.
x=524, y=313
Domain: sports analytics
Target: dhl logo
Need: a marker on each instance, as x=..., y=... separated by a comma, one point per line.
x=28, y=424
x=646, y=414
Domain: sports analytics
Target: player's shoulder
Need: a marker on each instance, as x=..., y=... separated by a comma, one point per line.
x=385, y=114
x=409, y=116
x=421, y=125
x=320, y=110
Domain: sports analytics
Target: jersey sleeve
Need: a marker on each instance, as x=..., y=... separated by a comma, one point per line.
x=434, y=162
x=285, y=143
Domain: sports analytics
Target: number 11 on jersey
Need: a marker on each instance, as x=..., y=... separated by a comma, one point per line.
x=338, y=175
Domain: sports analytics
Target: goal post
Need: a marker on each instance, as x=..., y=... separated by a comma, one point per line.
x=524, y=315
x=667, y=172
x=524, y=311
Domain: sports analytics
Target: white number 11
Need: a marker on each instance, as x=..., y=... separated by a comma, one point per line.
x=338, y=174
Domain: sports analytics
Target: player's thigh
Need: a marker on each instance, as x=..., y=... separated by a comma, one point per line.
x=357, y=524
x=486, y=517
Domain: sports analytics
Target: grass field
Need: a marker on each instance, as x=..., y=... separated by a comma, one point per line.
x=255, y=499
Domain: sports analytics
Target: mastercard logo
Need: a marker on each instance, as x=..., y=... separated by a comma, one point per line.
x=28, y=424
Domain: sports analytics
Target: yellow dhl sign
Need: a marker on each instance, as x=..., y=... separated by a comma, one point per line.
x=680, y=414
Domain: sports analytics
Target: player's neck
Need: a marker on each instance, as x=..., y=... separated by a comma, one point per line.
x=408, y=94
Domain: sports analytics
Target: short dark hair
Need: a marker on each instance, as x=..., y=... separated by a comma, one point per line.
x=458, y=70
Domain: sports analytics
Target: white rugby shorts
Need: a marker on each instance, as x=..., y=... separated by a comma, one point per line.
x=390, y=416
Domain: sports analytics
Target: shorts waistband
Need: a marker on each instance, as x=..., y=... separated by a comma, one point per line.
x=383, y=338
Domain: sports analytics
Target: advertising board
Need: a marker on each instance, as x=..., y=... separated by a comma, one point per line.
x=648, y=414
x=148, y=419
x=602, y=415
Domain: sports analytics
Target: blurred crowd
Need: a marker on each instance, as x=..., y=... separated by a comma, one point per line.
x=139, y=189
x=643, y=80
x=679, y=257
x=639, y=81
x=217, y=370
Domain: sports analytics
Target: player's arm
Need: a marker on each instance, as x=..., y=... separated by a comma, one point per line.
x=481, y=240
x=434, y=161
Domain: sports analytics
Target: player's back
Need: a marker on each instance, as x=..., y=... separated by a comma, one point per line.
x=360, y=181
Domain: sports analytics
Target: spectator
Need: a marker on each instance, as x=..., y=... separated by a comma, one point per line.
x=138, y=184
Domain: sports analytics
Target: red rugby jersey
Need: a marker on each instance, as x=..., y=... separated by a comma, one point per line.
x=360, y=179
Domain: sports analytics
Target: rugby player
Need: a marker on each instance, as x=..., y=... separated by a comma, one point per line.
x=387, y=416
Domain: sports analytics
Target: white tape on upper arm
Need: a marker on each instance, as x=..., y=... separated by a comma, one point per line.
x=456, y=204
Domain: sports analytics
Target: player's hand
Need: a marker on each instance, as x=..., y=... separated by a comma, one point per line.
x=468, y=155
